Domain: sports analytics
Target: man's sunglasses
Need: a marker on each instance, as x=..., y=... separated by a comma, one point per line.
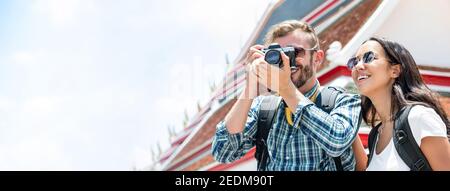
x=300, y=51
x=367, y=58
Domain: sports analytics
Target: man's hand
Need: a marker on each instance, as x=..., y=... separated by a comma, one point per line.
x=277, y=79
x=253, y=88
x=251, y=56
x=272, y=77
x=235, y=119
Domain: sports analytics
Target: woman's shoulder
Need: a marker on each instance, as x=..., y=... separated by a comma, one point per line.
x=421, y=112
x=418, y=110
x=424, y=121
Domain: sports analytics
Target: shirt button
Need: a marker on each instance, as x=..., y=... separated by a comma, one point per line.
x=291, y=136
x=287, y=158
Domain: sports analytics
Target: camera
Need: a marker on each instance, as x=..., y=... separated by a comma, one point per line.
x=273, y=55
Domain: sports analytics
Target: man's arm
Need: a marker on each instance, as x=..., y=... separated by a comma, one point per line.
x=360, y=155
x=334, y=132
x=234, y=136
x=236, y=118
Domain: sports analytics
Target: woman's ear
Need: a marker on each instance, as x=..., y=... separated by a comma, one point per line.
x=395, y=70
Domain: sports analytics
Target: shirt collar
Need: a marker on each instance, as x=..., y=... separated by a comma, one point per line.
x=312, y=90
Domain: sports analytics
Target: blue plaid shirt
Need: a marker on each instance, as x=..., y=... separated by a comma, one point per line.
x=309, y=144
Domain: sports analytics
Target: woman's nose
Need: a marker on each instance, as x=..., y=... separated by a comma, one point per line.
x=359, y=65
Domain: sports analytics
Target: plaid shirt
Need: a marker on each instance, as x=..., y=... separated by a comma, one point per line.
x=309, y=144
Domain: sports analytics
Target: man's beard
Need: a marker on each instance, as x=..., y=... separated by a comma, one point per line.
x=306, y=72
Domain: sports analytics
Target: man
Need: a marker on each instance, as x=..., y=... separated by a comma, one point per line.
x=302, y=137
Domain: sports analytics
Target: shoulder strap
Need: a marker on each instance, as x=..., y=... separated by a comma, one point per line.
x=373, y=135
x=406, y=145
x=327, y=97
x=326, y=102
x=267, y=111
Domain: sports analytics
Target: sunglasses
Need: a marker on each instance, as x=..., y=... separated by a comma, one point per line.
x=368, y=57
x=300, y=51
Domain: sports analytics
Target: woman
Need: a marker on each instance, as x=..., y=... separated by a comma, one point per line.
x=388, y=79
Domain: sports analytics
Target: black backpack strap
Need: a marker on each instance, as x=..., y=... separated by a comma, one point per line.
x=406, y=145
x=373, y=136
x=326, y=102
x=267, y=111
x=327, y=97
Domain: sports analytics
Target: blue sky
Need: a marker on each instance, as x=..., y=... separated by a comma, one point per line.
x=93, y=85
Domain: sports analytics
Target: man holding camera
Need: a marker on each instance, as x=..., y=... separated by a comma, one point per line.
x=302, y=136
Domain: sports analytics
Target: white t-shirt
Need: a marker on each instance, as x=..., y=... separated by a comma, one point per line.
x=424, y=122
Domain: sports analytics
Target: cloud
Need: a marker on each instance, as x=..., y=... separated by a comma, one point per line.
x=29, y=140
x=63, y=13
x=37, y=152
x=142, y=158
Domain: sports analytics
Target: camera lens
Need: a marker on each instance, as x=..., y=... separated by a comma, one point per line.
x=273, y=57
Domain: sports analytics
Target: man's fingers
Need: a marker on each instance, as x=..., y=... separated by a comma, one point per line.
x=256, y=48
x=263, y=65
x=262, y=68
x=251, y=53
x=286, y=63
x=255, y=56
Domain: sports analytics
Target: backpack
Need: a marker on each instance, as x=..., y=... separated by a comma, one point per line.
x=268, y=109
x=407, y=148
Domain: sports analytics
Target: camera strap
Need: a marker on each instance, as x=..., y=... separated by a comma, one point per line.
x=288, y=112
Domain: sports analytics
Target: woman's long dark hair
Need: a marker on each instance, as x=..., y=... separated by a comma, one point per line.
x=408, y=87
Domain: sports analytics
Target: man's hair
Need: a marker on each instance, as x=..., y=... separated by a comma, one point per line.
x=284, y=28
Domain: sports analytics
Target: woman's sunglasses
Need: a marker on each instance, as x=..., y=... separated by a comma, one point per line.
x=367, y=58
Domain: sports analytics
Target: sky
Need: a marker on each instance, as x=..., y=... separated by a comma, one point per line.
x=93, y=84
